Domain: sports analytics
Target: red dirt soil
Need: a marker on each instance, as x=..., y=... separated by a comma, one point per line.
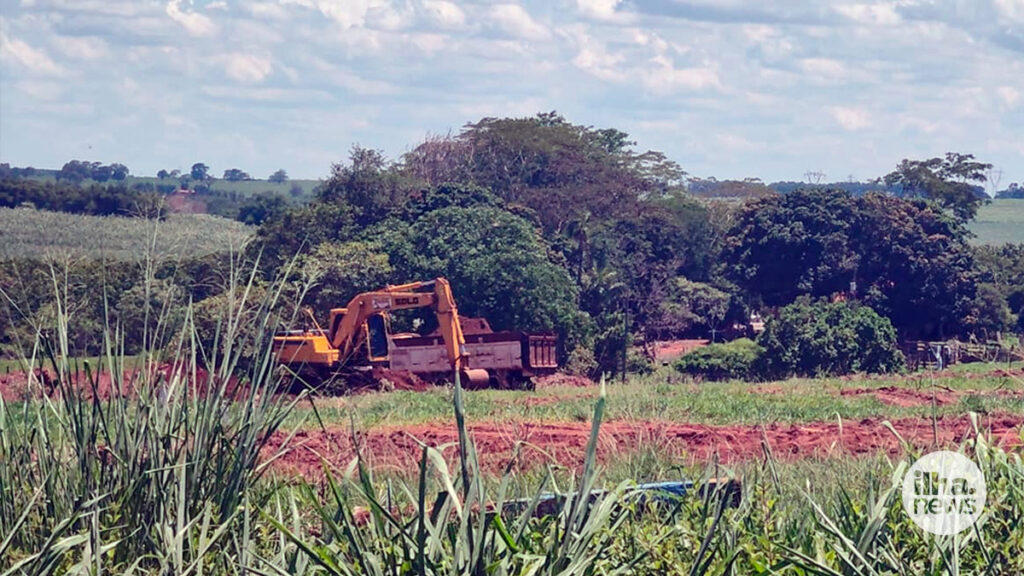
x=16, y=386
x=564, y=443
x=905, y=397
x=669, y=350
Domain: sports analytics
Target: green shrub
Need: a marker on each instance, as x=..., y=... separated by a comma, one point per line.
x=828, y=339
x=731, y=360
x=638, y=363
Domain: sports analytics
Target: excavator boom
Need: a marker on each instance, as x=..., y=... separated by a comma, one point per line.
x=347, y=324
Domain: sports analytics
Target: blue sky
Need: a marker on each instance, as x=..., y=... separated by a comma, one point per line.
x=730, y=89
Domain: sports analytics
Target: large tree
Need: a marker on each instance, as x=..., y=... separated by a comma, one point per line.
x=369, y=185
x=200, y=171
x=952, y=181
x=914, y=265
x=558, y=169
x=907, y=257
x=782, y=247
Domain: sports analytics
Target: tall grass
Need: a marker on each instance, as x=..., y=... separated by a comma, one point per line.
x=171, y=473
x=150, y=470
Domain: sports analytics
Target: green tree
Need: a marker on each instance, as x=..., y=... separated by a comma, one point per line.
x=1001, y=269
x=287, y=234
x=734, y=360
x=951, y=181
x=278, y=177
x=340, y=270
x=782, y=247
x=261, y=207
x=914, y=266
x=369, y=185
x=236, y=175
x=200, y=171
x=499, y=268
x=906, y=258
x=691, y=308
x=549, y=165
x=119, y=171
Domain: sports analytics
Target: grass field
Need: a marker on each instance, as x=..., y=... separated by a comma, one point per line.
x=1000, y=222
x=26, y=232
x=667, y=397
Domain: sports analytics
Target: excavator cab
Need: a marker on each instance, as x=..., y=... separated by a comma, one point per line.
x=377, y=337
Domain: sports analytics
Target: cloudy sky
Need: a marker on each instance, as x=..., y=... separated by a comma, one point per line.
x=727, y=88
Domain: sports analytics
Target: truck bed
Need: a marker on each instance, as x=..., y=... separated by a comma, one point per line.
x=519, y=352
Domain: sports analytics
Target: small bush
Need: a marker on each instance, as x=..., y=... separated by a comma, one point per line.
x=732, y=360
x=638, y=363
x=581, y=362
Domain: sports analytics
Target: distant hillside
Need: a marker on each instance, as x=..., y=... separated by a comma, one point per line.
x=1000, y=222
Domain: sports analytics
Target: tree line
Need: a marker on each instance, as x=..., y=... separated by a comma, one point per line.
x=542, y=224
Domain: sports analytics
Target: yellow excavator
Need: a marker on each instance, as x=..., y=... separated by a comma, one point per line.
x=358, y=348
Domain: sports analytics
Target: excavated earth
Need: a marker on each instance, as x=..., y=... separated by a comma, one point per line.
x=564, y=443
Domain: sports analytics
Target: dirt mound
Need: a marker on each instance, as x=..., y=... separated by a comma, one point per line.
x=560, y=379
x=904, y=397
x=564, y=443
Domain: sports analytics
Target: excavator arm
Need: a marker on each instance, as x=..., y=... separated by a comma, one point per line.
x=347, y=324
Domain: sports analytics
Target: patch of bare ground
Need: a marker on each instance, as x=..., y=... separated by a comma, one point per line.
x=564, y=443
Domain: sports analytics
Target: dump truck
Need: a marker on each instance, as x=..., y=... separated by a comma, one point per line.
x=358, y=349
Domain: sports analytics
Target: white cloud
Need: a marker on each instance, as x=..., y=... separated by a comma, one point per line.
x=593, y=57
x=429, y=43
x=936, y=71
x=195, y=23
x=267, y=10
x=1013, y=9
x=851, y=119
x=347, y=13
x=267, y=94
x=655, y=41
x=823, y=67
x=883, y=14
x=46, y=90
x=36, y=60
x=81, y=47
x=515, y=20
x=665, y=78
x=445, y=13
x=598, y=62
x=1009, y=95
x=247, y=67
x=602, y=9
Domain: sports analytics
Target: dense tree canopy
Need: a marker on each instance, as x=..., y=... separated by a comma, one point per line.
x=906, y=258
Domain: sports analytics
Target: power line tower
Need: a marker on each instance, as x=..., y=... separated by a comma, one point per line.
x=814, y=177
